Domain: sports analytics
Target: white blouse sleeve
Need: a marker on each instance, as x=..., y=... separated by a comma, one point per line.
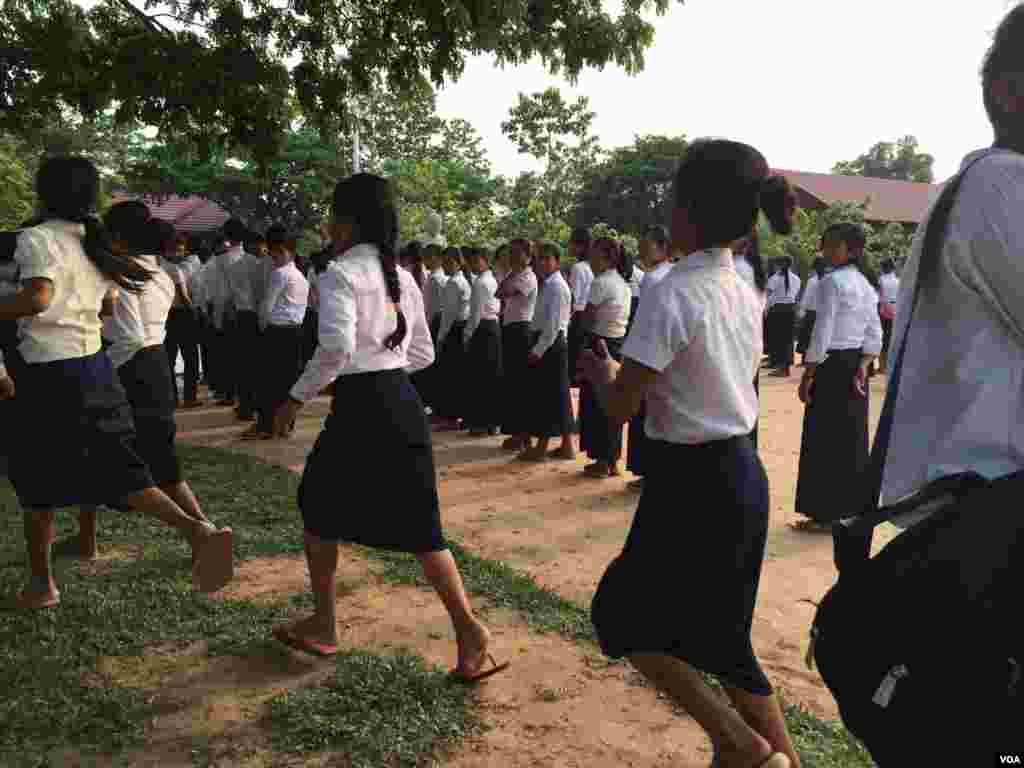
x=873, y=333
x=35, y=258
x=824, y=322
x=337, y=342
x=660, y=331
x=421, y=346
x=3, y=371
x=449, y=308
x=476, y=305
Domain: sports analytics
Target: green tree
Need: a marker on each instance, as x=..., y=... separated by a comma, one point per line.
x=227, y=73
x=557, y=133
x=16, y=195
x=630, y=189
x=886, y=160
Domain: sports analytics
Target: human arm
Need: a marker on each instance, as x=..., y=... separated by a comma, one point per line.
x=821, y=336
x=449, y=308
x=275, y=287
x=421, y=347
x=33, y=299
x=478, y=295
x=110, y=301
x=337, y=336
x=872, y=348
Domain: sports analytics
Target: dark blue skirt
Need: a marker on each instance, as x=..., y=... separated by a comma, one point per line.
x=75, y=436
x=370, y=478
x=686, y=582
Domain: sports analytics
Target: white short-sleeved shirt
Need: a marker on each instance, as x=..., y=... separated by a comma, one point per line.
x=581, y=277
x=777, y=291
x=890, y=288
x=286, y=299
x=356, y=317
x=612, y=298
x=847, y=315
x=654, y=276
x=635, y=279
x=139, y=320
x=961, y=396
x=701, y=323
x=70, y=326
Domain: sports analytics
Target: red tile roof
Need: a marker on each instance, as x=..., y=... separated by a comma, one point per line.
x=901, y=201
x=188, y=214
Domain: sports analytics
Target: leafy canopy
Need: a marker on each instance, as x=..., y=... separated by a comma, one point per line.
x=900, y=161
x=222, y=73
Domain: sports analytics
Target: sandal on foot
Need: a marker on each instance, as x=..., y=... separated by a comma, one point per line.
x=464, y=679
x=562, y=455
x=36, y=601
x=214, y=565
x=284, y=634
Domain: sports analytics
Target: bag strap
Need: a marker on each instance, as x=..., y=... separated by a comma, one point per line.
x=873, y=515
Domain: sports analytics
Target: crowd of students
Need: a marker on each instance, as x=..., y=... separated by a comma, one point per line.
x=494, y=344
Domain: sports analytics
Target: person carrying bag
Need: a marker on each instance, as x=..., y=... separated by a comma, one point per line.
x=919, y=644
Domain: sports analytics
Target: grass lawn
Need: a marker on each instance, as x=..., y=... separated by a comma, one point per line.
x=57, y=698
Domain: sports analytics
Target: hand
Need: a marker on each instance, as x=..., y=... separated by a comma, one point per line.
x=597, y=370
x=805, y=390
x=284, y=416
x=6, y=387
x=860, y=379
x=533, y=359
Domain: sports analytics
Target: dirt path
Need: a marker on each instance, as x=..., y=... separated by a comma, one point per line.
x=563, y=529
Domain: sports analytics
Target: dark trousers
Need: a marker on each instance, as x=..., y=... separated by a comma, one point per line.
x=247, y=353
x=281, y=352
x=223, y=372
x=183, y=336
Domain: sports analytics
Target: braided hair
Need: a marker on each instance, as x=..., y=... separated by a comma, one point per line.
x=367, y=202
x=68, y=188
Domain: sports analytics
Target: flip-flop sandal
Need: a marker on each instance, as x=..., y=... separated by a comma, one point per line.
x=28, y=601
x=214, y=568
x=810, y=526
x=284, y=635
x=495, y=669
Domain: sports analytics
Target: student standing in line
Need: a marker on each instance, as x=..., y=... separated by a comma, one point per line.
x=605, y=320
x=581, y=275
x=197, y=290
x=549, y=411
x=280, y=321
x=518, y=293
x=783, y=288
x=221, y=297
x=636, y=277
x=67, y=268
x=702, y=323
x=246, y=347
x=483, y=351
x=808, y=308
x=654, y=253
x=889, y=295
x=433, y=295
x=846, y=339
x=137, y=331
x=451, y=368
x=182, y=322
x=377, y=429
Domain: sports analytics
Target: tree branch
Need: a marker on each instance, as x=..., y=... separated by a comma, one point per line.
x=148, y=21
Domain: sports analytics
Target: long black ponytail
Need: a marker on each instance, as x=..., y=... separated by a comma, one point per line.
x=786, y=263
x=367, y=201
x=68, y=188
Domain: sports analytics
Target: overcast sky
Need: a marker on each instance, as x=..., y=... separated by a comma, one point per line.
x=808, y=82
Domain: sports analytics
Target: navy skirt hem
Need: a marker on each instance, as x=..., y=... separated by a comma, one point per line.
x=515, y=350
x=686, y=582
x=376, y=433
x=76, y=441
x=597, y=437
x=551, y=411
x=147, y=383
x=834, y=447
x=484, y=371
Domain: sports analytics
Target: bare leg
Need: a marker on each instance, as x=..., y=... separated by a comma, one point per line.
x=470, y=635
x=740, y=746
x=322, y=558
x=39, y=533
x=87, y=532
x=764, y=715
